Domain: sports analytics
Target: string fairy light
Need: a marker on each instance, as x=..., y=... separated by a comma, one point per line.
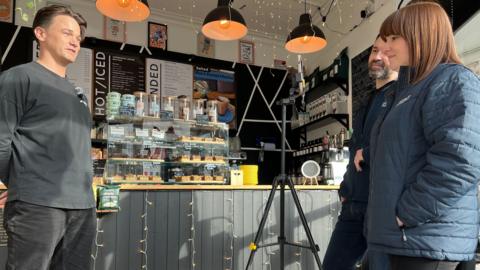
x=98, y=231
x=192, y=230
x=228, y=258
x=301, y=233
x=143, y=242
x=268, y=250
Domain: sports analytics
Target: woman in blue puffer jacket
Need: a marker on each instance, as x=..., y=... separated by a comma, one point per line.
x=425, y=149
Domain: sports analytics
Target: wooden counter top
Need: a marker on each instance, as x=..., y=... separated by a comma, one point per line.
x=212, y=187
x=219, y=187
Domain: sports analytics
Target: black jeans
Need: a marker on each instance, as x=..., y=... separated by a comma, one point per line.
x=414, y=263
x=347, y=244
x=43, y=238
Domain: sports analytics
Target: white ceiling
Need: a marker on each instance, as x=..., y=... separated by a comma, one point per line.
x=276, y=18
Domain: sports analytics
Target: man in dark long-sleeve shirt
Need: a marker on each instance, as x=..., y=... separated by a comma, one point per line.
x=348, y=243
x=45, y=152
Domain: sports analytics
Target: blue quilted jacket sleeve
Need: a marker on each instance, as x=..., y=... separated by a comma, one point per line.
x=451, y=124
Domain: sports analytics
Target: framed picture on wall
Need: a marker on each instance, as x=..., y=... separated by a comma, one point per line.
x=205, y=46
x=114, y=30
x=246, y=52
x=157, y=35
x=7, y=13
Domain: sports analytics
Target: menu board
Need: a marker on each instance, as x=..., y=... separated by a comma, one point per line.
x=153, y=80
x=177, y=79
x=115, y=72
x=127, y=73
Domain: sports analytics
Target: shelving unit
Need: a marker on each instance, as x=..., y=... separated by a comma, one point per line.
x=151, y=151
x=320, y=84
x=323, y=82
x=341, y=118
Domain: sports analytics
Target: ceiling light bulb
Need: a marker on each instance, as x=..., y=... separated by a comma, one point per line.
x=123, y=3
x=306, y=39
x=224, y=24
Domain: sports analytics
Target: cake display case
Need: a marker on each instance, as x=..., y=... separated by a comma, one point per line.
x=147, y=150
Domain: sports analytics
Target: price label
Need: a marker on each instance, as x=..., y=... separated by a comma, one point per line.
x=202, y=119
x=140, y=132
x=166, y=115
x=147, y=143
x=117, y=131
x=158, y=134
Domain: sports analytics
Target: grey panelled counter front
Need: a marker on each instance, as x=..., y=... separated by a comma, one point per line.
x=188, y=227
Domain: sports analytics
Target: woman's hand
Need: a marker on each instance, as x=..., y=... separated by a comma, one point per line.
x=400, y=223
x=3, y=199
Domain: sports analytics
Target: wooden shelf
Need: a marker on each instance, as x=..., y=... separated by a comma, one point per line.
x=199, y=182
x=341, y=118
x=138, y=160
x=137, y=182
x=221, y=187
x=212, y=187
x=107, y=211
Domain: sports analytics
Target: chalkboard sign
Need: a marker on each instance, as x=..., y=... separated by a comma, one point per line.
x=362, y=84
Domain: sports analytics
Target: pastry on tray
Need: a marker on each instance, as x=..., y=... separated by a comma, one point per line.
x=218, y=178
x=184, y=158
x=208, y=158
x=117, y=177
x=196, y=177
x=131, y=177
x=143, y=178
x=218, y=139
x=219, y=158
x=155, y=178
x=183, y=138
x=208, y=178
x=196, y=158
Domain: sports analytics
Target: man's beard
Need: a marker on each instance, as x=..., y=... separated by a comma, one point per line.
x=381, y=74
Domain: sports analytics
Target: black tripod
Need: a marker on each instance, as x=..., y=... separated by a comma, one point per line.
x=283, y=180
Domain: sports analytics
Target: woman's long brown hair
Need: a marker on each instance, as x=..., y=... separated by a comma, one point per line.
x=428, y=33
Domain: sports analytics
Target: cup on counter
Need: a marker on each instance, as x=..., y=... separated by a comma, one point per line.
x=198, y=106
x=153, y=105
x=141, y=103
x=184, y=108
x=212, y=110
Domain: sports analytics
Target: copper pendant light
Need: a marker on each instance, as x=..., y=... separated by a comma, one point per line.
x=124, y=10
x=224, y=23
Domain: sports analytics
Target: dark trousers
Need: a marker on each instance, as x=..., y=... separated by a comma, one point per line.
x=43, y=238
x=403, y=263
x=348, y=244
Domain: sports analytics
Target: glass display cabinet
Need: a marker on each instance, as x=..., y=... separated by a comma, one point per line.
x=147, y=150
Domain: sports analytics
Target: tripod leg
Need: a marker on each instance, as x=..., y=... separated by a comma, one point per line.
x=313, y=247
x=253, y=246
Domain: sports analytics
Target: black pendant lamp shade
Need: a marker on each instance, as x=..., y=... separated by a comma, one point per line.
x=124, y=10
x=306, y=37
x=224, y=23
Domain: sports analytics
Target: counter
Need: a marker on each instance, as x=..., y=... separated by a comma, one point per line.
x=208, y=227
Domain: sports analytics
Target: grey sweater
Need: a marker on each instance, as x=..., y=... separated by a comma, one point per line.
x=44, y=139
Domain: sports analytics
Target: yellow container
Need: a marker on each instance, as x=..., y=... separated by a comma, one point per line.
x=250, y=174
